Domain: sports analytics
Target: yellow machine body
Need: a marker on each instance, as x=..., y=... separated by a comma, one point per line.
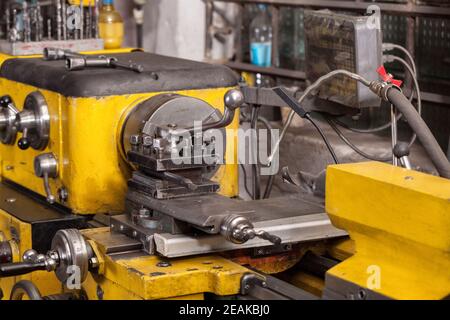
x=18, y=234
x=399, y=220
x=140, y=276
x=84, y=137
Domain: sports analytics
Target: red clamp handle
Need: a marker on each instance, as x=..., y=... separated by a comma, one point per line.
x=387, y=77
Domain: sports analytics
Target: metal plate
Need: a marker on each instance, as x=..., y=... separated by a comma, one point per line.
x=291, y=230
x=207, y=212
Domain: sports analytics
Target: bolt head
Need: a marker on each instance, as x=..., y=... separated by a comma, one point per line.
x=135, y=140
x=147, y=141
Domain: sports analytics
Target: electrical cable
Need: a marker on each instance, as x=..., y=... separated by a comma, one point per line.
x=392, y=46
x=324, y=138
x=308, y=90
x=353, y=146
x=245, y=181
x=256, y=179
x=271, y=179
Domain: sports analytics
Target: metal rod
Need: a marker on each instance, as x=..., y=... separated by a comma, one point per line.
x=8, y=22
x=49, y=29
x=26, y=23
x=64, y=19
x=58, y=19
x=88, y=27
x=394, y=134
x=97, y=13
x=81, y=20
x=40, y=30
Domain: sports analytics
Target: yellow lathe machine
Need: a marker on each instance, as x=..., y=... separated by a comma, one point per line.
x=92, y=205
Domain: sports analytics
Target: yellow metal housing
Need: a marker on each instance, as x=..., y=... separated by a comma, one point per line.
x=140, y=276
x=84, y=138
x=400, y=222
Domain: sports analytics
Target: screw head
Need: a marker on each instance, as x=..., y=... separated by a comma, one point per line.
x=163, y=264
x=135, y=139
x=147, y=141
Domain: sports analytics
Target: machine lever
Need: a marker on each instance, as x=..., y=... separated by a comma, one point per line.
x=46, y=166
x=252, y=233
x=17, y=269
x=401, y=152
x=80, y=63
x=238, y=229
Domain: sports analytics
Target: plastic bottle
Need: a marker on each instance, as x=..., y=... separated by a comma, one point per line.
x=261, y=38
x=110, y=24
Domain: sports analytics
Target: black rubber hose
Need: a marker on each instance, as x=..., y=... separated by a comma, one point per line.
x=25, y=287
x=422, y=131
x=256, y=178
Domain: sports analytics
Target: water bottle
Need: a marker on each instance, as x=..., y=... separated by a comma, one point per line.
x=110, y=25
x=261, y=38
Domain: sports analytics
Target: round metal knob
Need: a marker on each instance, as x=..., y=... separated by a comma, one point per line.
x=234, y=99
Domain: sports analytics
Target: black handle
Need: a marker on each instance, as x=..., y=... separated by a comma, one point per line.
x=23, y=143
x=17, y=269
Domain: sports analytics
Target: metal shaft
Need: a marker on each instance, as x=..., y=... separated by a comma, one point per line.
x=49, y=29
x=58, y=19
x=88, y=28
x=40, y=25
x=97, y=13
x=81, y=20
x=26, y=23
x=394, y=134
x=64, y=19
x=8, y=22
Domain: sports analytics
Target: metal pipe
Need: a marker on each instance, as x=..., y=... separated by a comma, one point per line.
x=394, y=134
x=64, y=19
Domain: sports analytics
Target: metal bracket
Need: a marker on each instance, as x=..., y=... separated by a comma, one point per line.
x=258, y=287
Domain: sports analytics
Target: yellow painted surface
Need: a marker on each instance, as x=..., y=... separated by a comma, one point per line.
x=400, y=222
x=84, y=138
x=45, y=281
x=141, y=278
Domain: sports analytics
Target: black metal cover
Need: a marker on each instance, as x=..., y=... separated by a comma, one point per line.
x=173, y=74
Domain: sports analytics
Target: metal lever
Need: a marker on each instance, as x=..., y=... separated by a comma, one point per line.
x=46, y=166
x=238, y=229
x=59, y=54
x=20, y=268
x=401, y=152
x=32, y=261
x=80, y=63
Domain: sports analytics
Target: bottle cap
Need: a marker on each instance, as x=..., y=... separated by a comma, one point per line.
x=108, y=2
x=262, y=7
